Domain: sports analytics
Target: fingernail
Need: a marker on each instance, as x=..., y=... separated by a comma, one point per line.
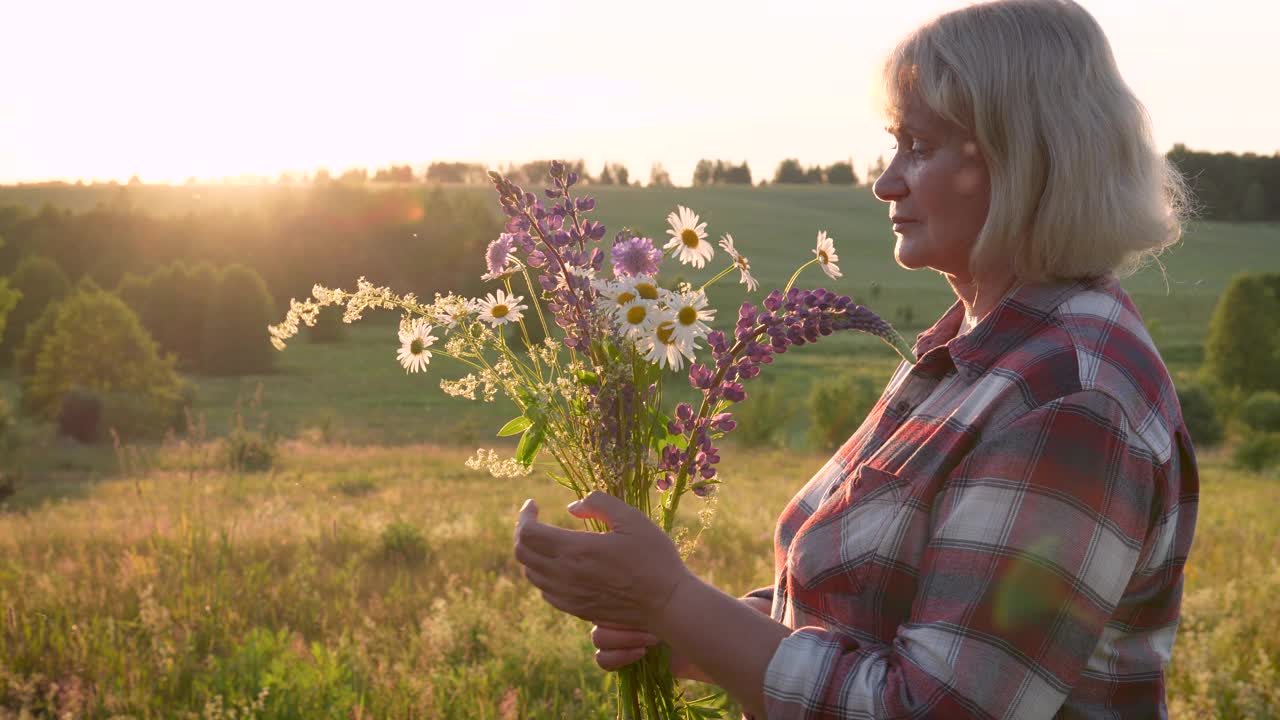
x=575, y=504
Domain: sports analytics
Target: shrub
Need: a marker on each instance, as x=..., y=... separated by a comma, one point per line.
x=1258, y=452
x=329, y=327
x=1262, y=412
x=235, y=328
x=249, y=451
x=836, y=409
x=97, y=344
x=79, y=415
x=1244, y=334
x=403, y=542
x=762, y=417
x=1200, y=414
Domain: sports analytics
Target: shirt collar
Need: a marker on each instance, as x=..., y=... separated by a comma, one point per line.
x=1026, y=308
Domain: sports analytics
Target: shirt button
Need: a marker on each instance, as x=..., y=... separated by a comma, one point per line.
x=902, y=407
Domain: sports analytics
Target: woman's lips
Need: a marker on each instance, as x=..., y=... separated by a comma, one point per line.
x=899, y=225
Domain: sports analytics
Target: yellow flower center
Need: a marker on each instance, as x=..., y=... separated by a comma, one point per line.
x=636, y=315
x=666, y=332
x=822, y=257
x=687, y=315
x=742, y=263
x=689, y=238
x=626, y=297
x=500, y=311
x=648, y=291
x=417, y=346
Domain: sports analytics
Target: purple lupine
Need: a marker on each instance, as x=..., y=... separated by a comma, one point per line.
x=784, y=320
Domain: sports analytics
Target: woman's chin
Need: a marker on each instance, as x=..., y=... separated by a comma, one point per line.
x=906, y=259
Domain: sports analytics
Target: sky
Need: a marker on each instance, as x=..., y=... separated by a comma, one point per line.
x=173, y=89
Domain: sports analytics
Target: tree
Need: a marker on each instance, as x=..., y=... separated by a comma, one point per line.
x=876, y=169
x=394, y=174
x=658, y=176
x=456, y=172
x=96, y=344
x=841, y=173
x=606, y=177
x=1254, y=205
x=702, y=172
x=235, y=326
x=1243, y=345
x=621, y=175
x=41, y=282
x=789, y=171
x=814, y=176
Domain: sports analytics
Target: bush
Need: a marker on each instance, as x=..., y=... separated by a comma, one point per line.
x=762, y=417
x=98, y=345
x=1258, y=452
x=249, y=451
x=1244, y=335
x=404, y=542
x=79, y=415
x=1200, y=414
x=837, y=408
x=235, y=328
x=329, y=327
x=1262, y=412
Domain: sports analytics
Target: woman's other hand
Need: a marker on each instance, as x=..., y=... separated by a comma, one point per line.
x=617, y=646
x=622, y=577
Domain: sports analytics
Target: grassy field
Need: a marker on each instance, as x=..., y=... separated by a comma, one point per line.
x=382, y=579
x=369, y=573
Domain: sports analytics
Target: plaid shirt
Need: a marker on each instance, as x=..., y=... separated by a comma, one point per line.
x=1005, y=534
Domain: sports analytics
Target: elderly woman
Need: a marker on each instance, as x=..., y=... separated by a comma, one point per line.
x=1005, y=534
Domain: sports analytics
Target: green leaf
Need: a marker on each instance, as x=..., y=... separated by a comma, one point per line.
x=530, y=443
x=586, y=377
x=516, y=425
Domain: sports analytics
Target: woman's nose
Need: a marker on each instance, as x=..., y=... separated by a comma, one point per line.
x=890, y=186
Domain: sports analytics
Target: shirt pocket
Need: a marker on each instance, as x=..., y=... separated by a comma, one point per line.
x=836, y=546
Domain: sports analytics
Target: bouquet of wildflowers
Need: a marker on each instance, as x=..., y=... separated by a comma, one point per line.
x=591, y=392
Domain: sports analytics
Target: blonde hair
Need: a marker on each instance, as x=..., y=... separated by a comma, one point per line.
x=1078, y=188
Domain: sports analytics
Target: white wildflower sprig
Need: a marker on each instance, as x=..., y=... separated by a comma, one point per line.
x=498, y=466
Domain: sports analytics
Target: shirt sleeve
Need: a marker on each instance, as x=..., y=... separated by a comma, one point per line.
x=1034, y=537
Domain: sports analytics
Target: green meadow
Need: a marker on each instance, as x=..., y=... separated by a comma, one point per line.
x=368, y=573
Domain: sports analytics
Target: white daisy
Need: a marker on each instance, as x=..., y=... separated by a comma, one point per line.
x=744, y=266
x=826, y=254
x=688, y=238
x=664, y=346
x=616, y=294
x=500, y=309
x=415, y=338
x=690, y=316
x=635, y=317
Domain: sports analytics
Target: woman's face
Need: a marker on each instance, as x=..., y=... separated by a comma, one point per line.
x=938, y=192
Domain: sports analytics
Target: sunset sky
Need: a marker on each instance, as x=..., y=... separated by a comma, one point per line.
x=174, y=89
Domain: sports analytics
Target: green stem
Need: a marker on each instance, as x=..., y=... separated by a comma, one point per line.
x=795, y=275
x=713, y=280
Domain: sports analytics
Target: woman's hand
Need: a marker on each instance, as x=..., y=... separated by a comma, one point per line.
x=622, y=577
x=617, y=646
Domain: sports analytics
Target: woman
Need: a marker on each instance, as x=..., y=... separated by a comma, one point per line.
x=1005, y=535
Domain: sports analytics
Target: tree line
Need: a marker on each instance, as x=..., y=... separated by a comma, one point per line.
x=1227, y=186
